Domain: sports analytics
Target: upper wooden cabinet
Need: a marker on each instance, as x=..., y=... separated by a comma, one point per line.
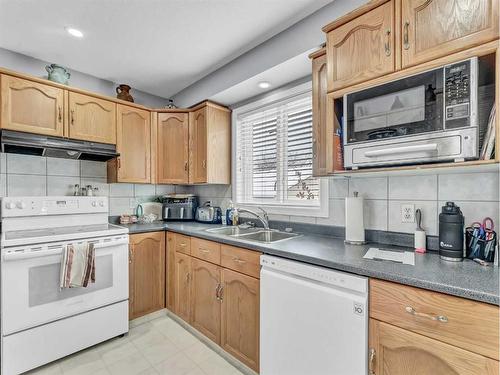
x=173, y=148
x=362, y=48
x=322, y=129
x=133, y=143
x=31, y=107
x=435, y=28
x=210, y=144
x=91, y=119
x=147, y=273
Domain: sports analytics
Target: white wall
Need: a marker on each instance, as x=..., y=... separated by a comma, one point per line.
x=29, y=65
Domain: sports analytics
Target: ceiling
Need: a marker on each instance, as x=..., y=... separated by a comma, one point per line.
x=158, y=46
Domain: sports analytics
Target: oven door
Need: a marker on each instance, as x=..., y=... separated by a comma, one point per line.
x=402, y=108
x=30, y=283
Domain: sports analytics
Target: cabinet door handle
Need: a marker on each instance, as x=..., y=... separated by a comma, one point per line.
x=387, y=45
x=130, y=254
x=217, y=292
x=406, y=43
x=221, y=293
x=119, y=163
x=315, y=146
x=72, y=117
x=204, y=164
x=59, y=111
x=371, y=362
x=186, y=166
x=437, y=318
x=188, y=277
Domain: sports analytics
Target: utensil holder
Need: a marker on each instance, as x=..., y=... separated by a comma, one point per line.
x=471, y=253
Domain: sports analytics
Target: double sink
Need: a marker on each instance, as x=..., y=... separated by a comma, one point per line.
x=254, y=234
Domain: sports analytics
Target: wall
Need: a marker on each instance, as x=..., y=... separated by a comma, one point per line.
x=29, y=65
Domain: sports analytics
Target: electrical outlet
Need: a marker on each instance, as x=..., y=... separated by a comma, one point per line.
x=407, y=213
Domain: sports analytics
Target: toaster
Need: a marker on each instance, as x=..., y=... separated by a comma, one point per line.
x=179, y=206
x=208, y=214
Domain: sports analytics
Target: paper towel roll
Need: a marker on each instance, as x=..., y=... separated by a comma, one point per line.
x=354, y=222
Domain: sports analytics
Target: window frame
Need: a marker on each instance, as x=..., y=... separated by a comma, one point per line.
x=275, y=208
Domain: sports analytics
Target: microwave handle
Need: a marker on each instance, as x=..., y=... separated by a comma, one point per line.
x=58, y=250
x=401, y=150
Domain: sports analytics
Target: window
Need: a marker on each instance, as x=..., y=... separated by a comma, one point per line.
x=273, y=157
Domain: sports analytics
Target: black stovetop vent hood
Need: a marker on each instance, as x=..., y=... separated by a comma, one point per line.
x=55, y=147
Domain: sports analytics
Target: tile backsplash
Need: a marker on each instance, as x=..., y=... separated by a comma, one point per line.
x=477, y=194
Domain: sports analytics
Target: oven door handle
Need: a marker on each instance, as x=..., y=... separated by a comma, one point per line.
x=58, y=250
x=402, y=150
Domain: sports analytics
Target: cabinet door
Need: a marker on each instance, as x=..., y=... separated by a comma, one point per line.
x=147, y=283
x=31, y=107
x=435, y=28
x=322, y=132
x=182, y=284
x=362, y=48
x=170, y=272
x=198, y=146
x=240, y=317
x=173, y=148
x=205, y=302
x=133, y=143
x=397, y=351
x=92, y=119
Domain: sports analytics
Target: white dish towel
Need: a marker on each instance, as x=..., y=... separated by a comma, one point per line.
x=77, y=265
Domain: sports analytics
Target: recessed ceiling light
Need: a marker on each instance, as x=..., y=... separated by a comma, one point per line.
x=264, y=85
x=74, y=32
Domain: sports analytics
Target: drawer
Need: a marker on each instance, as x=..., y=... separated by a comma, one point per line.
x=241, y=260
x=183, y=244
x=457, y=321
x=206, y=250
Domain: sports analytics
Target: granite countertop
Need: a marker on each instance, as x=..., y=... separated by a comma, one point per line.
x=464, y=279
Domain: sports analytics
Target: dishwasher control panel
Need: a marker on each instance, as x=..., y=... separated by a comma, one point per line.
x=317, y=273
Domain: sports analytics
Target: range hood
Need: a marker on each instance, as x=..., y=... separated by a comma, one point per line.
x=55, y=147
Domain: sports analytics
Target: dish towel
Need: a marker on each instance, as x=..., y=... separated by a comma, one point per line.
x=77, y=265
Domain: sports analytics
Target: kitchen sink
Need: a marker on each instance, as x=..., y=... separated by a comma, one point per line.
x=268, y=236
x=232, y=231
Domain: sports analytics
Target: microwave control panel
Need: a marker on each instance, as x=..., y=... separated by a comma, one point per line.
x=457, y=81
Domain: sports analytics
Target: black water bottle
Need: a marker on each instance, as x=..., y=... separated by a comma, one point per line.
x=451, y=233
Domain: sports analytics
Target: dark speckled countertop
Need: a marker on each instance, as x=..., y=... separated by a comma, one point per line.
x=465, y=279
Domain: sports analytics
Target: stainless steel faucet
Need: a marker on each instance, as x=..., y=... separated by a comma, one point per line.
x=263, y=218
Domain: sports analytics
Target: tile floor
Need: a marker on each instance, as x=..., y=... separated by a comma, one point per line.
x=160, y=346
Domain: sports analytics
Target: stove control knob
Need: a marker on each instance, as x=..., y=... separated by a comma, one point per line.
x=10, y=205
x=21, y=205
x=101, y=203
x=94, y=204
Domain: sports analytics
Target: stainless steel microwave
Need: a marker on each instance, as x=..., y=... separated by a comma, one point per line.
x=428, y=117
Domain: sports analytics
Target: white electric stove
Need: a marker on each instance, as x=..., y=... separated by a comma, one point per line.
x=41, y=323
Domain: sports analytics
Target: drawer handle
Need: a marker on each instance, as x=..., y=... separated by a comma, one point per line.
x=203, y=250
x=371, y=362
x=239, y=261
x=182, y=245
x=438, y=318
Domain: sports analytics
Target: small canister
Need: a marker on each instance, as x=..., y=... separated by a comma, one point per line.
x=451, y=233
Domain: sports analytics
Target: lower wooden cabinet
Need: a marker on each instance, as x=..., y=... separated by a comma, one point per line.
x=219, y=300
x=182, y=289
x=395, y=351
x=205, y=300
x=146, y=273
x=240, y=317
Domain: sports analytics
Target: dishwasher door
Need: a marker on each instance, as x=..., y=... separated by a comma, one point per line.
x=313, y=320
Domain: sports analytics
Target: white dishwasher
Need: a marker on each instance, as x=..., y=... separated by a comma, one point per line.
x=313, y=320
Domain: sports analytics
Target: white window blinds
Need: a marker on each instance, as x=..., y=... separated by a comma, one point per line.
x=274, y=155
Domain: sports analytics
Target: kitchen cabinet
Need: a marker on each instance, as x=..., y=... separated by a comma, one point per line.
x=209, y=144
x=182, y=283
x=146, y=273
x=435, y=28
x=170, y=271
x=91, y=119
x=205, y=299
x=362, y=48
x=31, y=107
x=322, y=129
x=133, y=143
x=173, y=148
x=396, y=351
x=240, y=317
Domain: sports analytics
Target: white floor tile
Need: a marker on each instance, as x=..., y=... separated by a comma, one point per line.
x=179, y=364
x=199, y=352
x=131, y=365
x=118, y=352
x=50, y=369
x=217, y=366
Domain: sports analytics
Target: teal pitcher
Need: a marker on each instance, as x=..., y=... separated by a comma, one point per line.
x=58, y=73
